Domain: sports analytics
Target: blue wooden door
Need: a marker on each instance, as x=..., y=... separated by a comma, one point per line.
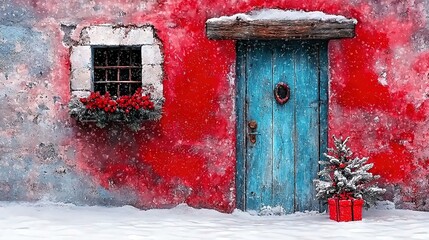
x=279, y=145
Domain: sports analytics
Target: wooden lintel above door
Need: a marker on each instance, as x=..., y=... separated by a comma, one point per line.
x=282, y=25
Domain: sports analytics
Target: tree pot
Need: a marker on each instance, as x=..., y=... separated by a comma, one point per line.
x=345, y=210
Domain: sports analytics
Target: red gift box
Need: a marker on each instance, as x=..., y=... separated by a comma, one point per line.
x=344, y=210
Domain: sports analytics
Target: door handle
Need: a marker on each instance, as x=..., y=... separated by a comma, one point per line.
x=252, y=131
x=282, y=93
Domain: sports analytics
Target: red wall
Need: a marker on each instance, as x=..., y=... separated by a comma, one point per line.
x=378, y=96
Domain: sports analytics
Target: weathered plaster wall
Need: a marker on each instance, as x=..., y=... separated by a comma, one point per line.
x=379, y=96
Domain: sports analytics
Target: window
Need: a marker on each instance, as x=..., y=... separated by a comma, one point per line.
x=117, y=70
x=118, y=60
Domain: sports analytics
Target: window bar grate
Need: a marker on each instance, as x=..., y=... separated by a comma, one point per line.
x=117, y=67
x=130, y=72
x=118, y=93
x=111, y=66
x=106, y=56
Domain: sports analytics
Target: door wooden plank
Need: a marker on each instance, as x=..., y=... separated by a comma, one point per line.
x=241, y=137
x=283, y=130
x=323, y=96
x=259, y=156
x=307, y=125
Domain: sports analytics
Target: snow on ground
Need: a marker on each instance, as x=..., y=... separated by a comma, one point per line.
x=65, y=221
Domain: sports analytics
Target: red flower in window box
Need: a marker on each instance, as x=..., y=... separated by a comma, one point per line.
x=103, y=109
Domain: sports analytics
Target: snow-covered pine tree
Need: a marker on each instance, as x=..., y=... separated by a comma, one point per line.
x=346, y=177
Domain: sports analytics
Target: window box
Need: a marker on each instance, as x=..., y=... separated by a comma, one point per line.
x=104, y=109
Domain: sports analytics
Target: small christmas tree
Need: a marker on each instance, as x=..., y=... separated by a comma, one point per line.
x=345, y=177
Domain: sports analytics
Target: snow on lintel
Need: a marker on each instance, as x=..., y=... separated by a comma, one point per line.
x=278, y=14
x=280, y=24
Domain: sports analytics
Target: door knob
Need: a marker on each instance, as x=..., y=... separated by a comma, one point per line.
x=252, y=125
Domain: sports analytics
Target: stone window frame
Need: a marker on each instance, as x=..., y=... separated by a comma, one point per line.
x=81, y=77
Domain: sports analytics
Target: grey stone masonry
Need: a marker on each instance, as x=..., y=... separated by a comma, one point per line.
x=81, y=64
x=117, y=36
